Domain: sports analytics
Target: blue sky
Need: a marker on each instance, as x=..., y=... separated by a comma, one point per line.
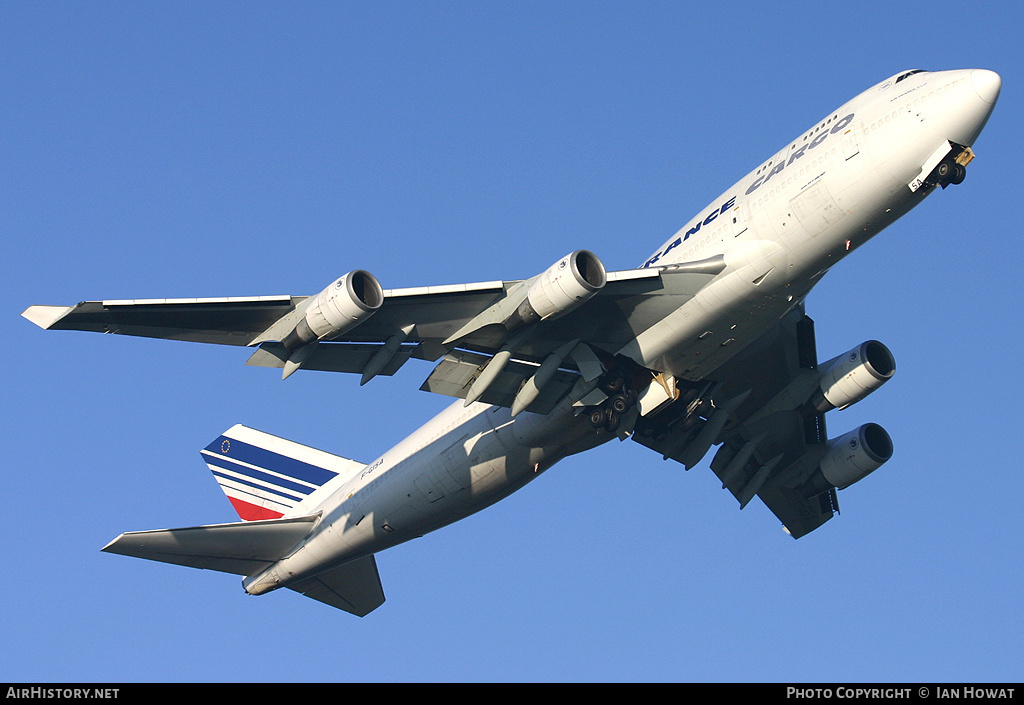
x=215, y=149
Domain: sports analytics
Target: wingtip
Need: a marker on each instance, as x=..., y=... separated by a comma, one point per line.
x=45, y=316
x=112, y=546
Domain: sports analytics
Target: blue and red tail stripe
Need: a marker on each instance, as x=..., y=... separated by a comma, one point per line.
x=261, y=483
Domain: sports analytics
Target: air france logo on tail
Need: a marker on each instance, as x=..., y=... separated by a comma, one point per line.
x=259, y=482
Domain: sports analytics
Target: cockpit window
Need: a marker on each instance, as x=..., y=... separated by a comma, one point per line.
x=909, y=73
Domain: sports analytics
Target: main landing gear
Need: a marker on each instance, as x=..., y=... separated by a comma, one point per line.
x=621, y=398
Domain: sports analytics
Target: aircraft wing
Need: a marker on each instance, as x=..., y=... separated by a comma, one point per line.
x=454, y=322
x=225, y=321
x=771, y=440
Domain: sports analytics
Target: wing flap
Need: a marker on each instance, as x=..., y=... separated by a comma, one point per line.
x=333, y=357
x=455, y=374
x=242, y=548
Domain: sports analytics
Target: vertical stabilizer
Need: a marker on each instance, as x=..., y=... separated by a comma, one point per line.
x=266, y=477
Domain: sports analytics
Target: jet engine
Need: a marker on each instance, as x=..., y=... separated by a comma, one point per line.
x=850, y=377
x=340, y=307
x=565, y=285
x=853, y=456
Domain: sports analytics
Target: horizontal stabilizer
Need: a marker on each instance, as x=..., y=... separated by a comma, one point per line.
x=353, y=587
x=241, y=548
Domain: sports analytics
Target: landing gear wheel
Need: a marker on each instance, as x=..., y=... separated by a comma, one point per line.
x=615, y=382
x=620, y=403
x=949, y=172
x=606, y=418
x=613, y=422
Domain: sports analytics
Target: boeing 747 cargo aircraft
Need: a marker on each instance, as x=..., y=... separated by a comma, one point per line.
x=706, y=344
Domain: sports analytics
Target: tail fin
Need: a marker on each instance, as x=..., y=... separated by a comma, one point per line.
x=266, y=477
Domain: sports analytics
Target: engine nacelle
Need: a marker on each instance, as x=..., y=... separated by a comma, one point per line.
x=340, y=307
x=850, y=377
x=854, y=455
x=565, y=285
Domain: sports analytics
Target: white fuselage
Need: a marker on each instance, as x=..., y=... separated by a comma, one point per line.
x=780, y=228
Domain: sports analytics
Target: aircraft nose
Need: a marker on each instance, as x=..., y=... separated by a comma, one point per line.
x=986, y=84
x=970, y=104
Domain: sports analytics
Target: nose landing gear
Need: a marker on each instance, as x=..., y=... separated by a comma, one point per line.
x=949, y=172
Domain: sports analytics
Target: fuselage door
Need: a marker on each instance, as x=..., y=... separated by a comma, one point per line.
x=851, y=145
x=736, y=216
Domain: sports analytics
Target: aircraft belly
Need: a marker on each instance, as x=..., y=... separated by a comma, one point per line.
x=724, y=338
x=723, y=317
x=436, y=485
